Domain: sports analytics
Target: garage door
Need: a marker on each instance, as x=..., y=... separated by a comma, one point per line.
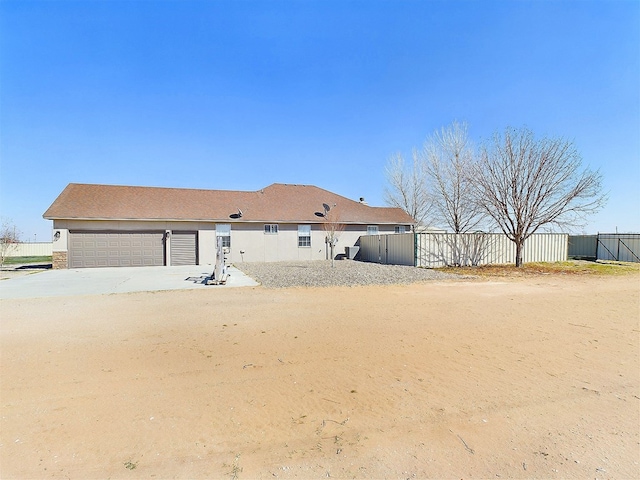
x=115, y=249
x=183, y=248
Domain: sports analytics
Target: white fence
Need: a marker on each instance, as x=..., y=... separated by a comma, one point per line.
x=440, y=249
x=41, y=249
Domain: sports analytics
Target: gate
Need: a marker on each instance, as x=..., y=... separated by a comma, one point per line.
x=621, y=247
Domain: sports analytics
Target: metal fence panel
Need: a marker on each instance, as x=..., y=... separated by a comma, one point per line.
x=400, y=249
x=583, y=246
x=433, y=250
x=546, y=247
x=438, y=250
x=395, y=249
x=369, y=248
x=623, y=247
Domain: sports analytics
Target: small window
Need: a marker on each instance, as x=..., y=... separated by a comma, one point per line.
x=223, y=230
x=271, y=228
x=304, y=235
x=401, y=229
x=372, y=230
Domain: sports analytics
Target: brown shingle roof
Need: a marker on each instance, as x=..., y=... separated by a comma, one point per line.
x=275, y=203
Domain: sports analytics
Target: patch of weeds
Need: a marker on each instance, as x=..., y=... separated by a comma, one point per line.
x=571, y=267
x=130, y=465
x=235, y=468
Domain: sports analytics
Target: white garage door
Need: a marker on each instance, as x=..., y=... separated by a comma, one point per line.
x=115, y=249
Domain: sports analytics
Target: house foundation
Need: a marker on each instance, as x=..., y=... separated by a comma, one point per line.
x=59, y=260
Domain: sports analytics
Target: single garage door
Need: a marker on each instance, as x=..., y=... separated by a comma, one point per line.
x=184, y=248
x=115, y=249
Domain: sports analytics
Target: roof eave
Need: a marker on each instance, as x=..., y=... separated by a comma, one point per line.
x=220, y=220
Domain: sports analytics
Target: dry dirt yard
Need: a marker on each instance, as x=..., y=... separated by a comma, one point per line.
x=535, y=377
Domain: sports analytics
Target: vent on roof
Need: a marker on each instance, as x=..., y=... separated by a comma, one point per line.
x=362, y=201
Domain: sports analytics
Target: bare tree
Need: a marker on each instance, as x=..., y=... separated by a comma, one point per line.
x=9, y=239
x=407, y=187
x=448, y=158
x=332, y=228
x=524, y=184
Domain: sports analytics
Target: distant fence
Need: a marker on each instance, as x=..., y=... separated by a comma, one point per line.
x=41, y=249
x=622, y=247
x=441, y=249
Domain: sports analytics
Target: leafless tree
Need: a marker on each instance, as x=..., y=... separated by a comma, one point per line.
x=9, y=239
x=448, y=158
x=332, y=228
x=407, y=187
x=524, y=183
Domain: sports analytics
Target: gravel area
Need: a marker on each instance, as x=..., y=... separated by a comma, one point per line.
x=345, y=273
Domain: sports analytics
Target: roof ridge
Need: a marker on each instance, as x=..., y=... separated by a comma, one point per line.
x=109, y=185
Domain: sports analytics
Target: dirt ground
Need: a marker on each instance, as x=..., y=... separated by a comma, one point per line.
x=534, y=377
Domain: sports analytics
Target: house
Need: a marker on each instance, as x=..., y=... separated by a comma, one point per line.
x=108, y=225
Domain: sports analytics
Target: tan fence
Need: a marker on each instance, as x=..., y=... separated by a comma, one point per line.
x=440, y=249
x=40, y=249
x=393, y=249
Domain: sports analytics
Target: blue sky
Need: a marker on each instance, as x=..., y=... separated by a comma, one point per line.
x=240, y=94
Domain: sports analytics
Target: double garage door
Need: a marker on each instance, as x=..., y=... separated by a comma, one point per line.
x=115, y=249
x=130, y=249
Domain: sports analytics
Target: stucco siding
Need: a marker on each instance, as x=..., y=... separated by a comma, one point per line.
x=207, y=246
x=249, y=242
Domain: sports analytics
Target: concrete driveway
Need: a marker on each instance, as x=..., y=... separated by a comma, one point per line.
x=101, y=281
